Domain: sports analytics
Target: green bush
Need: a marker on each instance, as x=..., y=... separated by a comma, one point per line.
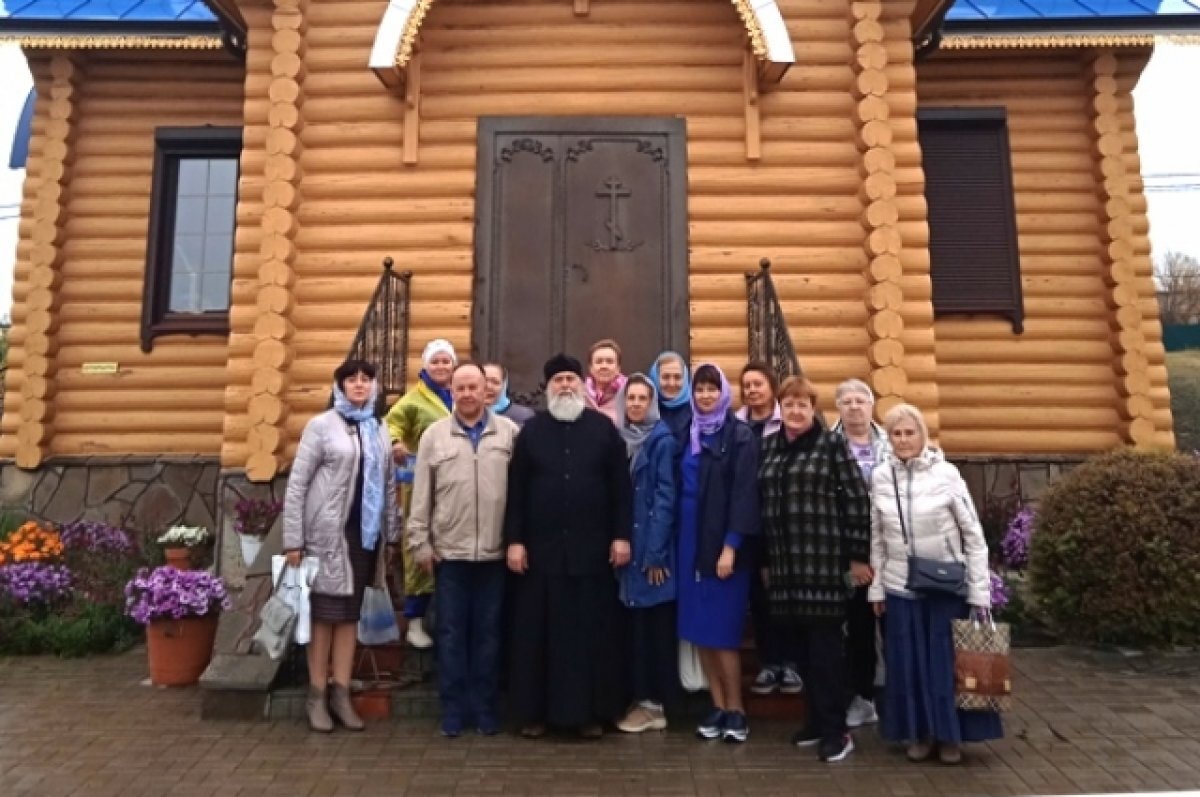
x=1115, y=557
x=79, y=629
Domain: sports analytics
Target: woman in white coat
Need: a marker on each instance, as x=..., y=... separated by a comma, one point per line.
x=920, y=506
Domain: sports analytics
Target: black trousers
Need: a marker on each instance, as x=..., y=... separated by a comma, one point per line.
x=822, y=666
x=654, y=654
x=860, y=645
x=772, y=644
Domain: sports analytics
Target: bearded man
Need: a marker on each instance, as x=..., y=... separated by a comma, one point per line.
x=567, y=526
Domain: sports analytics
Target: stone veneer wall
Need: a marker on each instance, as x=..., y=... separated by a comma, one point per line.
x=145, y=494
x=1000, y=485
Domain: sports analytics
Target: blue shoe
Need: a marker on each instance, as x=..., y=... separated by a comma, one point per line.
x=737, y=730
x=452, y=727
x=487, y=726
x=712, y=726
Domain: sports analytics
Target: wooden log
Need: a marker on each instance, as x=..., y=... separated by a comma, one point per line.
x=962, y=440
x=262, y=467
x=28, y=456
x=273, y=354
x=888, y=381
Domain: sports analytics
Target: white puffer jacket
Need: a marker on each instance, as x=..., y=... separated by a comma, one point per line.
x=941, y=522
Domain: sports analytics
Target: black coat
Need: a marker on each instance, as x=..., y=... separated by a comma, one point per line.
x=816, y=517
x=728, y=494
x=569, y=494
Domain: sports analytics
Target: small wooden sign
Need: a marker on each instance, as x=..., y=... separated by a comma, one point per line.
x=99, y=368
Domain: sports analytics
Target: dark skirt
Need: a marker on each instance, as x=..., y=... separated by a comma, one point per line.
x=919, y=694
x=346, y=608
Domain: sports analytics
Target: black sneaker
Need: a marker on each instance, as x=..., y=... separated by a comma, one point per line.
x=806, y=737
x=737, y=730
x=834, y=750
x=712, y=726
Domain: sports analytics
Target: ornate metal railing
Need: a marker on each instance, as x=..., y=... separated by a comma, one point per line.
x=382, y=336
x=770, y=341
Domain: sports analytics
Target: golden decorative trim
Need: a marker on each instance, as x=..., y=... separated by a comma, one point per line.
x=758, y=43
x=411, y=29
x=62, y=41
x=995, y=41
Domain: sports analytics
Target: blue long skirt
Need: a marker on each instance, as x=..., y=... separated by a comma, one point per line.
x=919, y=694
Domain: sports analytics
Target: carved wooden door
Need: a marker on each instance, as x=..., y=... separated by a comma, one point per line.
x=581, y=234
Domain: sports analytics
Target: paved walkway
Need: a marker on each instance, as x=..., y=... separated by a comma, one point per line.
x=89, y=728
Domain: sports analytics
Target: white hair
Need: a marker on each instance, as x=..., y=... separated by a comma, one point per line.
x=906, y=412
x=853, y=386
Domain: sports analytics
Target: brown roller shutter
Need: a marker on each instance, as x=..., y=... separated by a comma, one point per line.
x=972, y=219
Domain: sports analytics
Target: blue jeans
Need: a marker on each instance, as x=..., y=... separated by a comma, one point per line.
x=470, y=595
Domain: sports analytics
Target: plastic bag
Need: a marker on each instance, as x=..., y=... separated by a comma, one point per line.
x=294, y=588
x=377, y=620
x=691, y=674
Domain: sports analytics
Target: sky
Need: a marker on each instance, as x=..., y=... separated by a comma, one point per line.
x=1166, y=125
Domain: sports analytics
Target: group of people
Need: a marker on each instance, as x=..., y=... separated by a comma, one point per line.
x=635, y=513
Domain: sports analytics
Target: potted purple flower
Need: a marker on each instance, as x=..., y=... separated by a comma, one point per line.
x=179, y=609
x=252, y=520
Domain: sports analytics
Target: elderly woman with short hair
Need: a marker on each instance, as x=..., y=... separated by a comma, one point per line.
x=920, y=507
x=815, y=514
x=867, y=442
x=340, y=509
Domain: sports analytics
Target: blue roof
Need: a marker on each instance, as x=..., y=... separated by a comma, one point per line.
x=1091, y=12
x=22, y=134
x=134, y=12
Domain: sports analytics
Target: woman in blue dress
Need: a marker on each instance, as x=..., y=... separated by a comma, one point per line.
x=718, y=509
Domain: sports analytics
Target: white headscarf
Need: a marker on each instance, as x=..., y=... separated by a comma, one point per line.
x=438, y=346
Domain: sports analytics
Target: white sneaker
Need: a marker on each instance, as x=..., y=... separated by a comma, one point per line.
x=861, y=712
x=790, y=682
x=416, y=635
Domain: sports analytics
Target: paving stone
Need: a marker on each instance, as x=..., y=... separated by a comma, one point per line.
x=1081, y=724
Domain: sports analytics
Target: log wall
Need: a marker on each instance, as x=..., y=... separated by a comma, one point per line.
x=162, y=402
x=799, y=205
x=1056, y=387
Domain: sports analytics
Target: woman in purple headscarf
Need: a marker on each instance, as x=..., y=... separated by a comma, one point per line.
x=718, y=509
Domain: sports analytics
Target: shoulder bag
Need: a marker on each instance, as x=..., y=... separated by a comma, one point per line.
x=930, y=576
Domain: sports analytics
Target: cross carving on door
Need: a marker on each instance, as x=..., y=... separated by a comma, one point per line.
x=614, y=191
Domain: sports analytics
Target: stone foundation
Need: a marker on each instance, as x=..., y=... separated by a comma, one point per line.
x=144, y=494
x=1001, y=485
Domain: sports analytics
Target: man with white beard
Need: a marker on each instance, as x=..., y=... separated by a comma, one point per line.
x=567, y=527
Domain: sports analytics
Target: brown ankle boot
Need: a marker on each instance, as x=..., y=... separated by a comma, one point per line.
x=318, y=711
x=343, y=710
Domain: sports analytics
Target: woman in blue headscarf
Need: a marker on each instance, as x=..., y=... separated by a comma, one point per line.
x=718, y=509
x=340, y=509
x=671, y=380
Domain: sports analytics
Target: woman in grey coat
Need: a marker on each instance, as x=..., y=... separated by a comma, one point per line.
x=341, y=509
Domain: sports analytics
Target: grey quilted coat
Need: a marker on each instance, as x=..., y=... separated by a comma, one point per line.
x=319, y=491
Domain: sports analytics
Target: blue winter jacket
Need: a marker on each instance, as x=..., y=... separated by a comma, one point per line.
x=654, y=521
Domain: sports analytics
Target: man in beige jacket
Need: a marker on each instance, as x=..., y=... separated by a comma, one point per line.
x=455, y=526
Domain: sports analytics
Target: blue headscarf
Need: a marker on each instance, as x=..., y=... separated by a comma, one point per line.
x=368, y=438
x=503, y=400
x=685, y=395
x=441, y=392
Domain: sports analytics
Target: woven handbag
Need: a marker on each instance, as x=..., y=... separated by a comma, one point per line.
x=982, y=669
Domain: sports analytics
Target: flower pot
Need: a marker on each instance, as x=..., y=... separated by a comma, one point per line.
x=250, y=547
x=179, y=558
x=373, y=703
x=179, y=650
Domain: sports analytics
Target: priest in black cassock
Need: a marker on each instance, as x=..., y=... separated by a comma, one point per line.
x=567, y=526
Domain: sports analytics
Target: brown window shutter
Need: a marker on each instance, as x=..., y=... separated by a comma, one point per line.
x=973, y=251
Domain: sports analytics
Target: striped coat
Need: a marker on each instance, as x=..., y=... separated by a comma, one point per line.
x=816, y=519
